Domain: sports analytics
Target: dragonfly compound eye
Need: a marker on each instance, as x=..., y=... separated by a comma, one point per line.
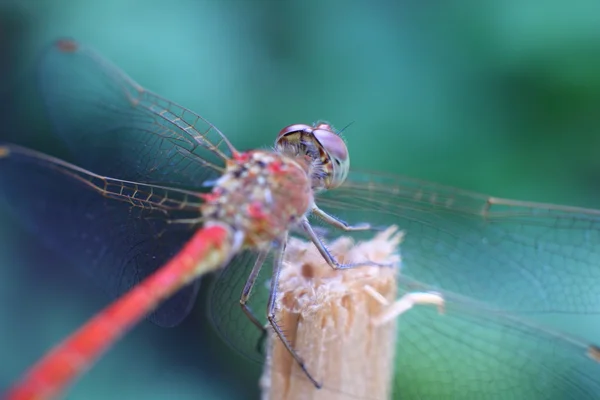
x=295, y=128
x=323, y=146
x=336, y=162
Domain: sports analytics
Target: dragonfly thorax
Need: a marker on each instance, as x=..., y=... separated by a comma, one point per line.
x=324, y=149
x=261, y=194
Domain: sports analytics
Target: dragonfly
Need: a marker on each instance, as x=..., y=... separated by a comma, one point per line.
x=155, y=187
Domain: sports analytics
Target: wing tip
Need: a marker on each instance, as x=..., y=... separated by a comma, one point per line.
x=593, y=352
x=66, y=45
x=4, y=151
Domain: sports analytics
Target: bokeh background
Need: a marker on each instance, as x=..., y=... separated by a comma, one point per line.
x=498, y=97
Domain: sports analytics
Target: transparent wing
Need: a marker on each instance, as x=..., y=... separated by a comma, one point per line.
x=473, y=351
x=118, y=232
x=484, y=254
x=520, y=256
x=226, y=313
x=116, y=128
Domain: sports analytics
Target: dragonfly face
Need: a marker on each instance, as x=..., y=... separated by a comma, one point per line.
x=325, y=149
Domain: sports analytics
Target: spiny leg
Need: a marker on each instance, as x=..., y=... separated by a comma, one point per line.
x=262, y=256
x=329, y=258
x=278, y=259
x=338, y=223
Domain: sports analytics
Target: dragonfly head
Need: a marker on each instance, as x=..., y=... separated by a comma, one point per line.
x=325, y=149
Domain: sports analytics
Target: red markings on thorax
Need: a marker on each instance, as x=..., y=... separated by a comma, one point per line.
x=241, y=157
x=276, y=167
x=256, y=210
x=210, y=197
x=261, y=194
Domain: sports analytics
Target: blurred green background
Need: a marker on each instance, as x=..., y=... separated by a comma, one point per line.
x=498, y=97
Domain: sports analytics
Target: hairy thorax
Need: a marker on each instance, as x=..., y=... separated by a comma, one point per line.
x=261, y=194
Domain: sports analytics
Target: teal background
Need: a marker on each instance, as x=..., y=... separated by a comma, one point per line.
x=498, y=97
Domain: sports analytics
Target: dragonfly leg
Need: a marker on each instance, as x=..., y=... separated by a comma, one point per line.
x=271, y=312
x=338, y=223
x=248, y=289
x=329, y=258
